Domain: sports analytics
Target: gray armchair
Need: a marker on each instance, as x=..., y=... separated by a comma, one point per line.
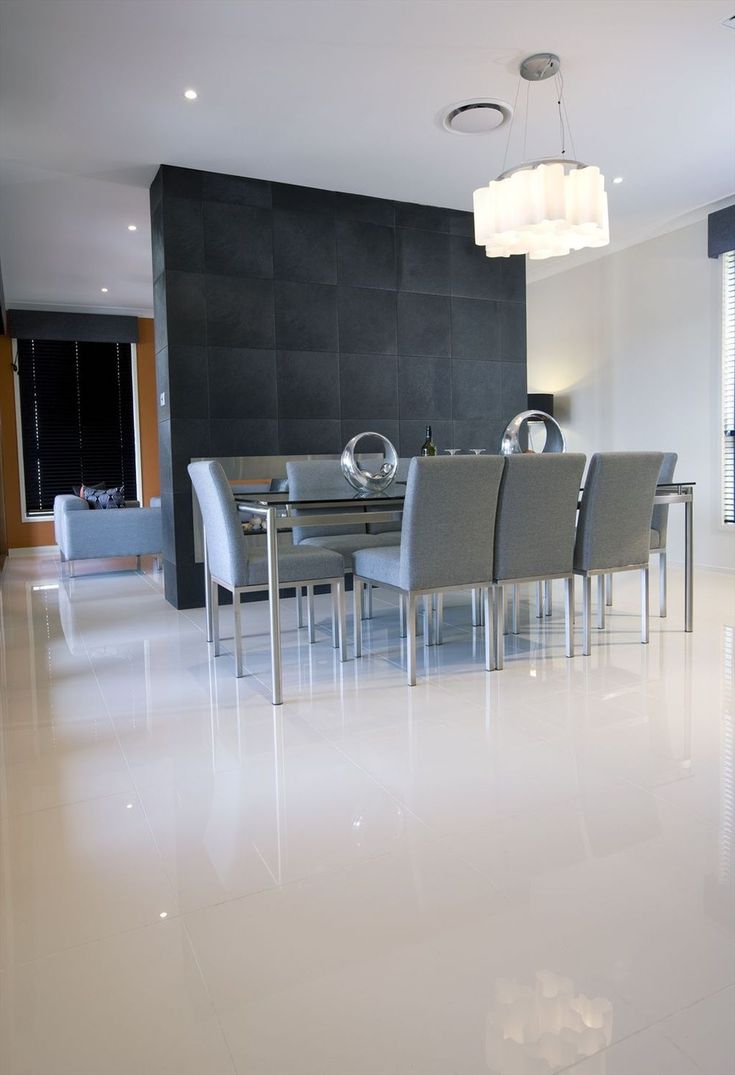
x=447, y=542
x=614, y=527
x=534, y=531
x=234, y=568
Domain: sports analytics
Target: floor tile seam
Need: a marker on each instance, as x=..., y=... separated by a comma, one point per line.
x=101, y=939
x=62, y=806
x=207, y=992
x=688, y=1007
x=656, y=1024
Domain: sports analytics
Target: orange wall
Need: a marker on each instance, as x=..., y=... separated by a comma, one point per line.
x=22, y=535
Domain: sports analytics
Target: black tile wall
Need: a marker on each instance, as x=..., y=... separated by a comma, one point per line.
x=289, y=319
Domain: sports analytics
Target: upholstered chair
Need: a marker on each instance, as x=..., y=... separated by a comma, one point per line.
x=236, y=568
x=535, y=531
x=447, y=541
x=614, y=527
x=322, y=479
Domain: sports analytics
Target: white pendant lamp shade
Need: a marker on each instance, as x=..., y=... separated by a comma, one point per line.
x=542, y=210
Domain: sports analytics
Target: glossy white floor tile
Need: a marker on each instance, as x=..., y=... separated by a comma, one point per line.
x=514, y=873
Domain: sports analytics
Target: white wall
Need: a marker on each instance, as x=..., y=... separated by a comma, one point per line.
x=630, y=345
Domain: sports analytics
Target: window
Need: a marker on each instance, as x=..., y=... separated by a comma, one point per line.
x=77, y=419
x=728, y=386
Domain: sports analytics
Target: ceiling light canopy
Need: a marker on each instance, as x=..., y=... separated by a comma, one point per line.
x=547, y=207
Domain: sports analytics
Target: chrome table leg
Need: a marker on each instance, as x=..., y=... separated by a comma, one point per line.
x=662, y=610
x=644, y=605
x=274, y=602
x=689, y=565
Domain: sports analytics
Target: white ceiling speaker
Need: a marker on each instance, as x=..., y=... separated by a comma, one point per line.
x=479, y=116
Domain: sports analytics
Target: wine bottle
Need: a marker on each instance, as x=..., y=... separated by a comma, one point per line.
x=428, y=447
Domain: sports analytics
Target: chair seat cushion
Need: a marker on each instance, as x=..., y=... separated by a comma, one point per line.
x=296, y=564
x=655, y=539
x=379, y=565
x=348, y=544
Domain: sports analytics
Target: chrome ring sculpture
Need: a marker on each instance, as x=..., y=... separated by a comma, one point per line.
x=364, y=480
x=510, y=444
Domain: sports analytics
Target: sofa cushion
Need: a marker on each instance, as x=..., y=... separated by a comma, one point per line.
x=104, y=498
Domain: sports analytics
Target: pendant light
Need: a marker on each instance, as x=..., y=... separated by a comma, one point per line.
x=547, y=207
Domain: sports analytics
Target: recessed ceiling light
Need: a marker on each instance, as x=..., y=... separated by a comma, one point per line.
x=618, y=179
x=191, y=95
x=104, y=290
x=163, y=914
x=132, y=227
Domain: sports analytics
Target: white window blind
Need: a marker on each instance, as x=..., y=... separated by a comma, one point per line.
x=728, y=386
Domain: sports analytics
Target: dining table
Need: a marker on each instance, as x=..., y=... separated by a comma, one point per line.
x=279, y=511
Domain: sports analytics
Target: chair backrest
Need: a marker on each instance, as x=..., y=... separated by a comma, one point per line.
x=401, y=476
x=660, y=517
x=448, y=529
x=537, y=516
x=614, y=528
x=228, y=557
x=318, y=479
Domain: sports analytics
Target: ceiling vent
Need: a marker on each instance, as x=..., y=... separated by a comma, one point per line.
x=480, y=116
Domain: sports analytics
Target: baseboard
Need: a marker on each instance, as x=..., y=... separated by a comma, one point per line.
x=35, y=550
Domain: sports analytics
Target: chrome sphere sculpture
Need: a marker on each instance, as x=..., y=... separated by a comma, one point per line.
x=510, y=444
x=364, y=480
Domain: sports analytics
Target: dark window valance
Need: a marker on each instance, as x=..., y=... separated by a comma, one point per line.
x=721, y=231
x=82, y=328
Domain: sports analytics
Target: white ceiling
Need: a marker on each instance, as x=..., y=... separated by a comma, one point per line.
x=342, y=95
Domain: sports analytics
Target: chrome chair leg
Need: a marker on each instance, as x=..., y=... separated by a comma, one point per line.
x=499, y=626
x=237, y=634
x=310, y=613
x=609, y=589
x=515, y=603
x=402, y=615
x=586, y=615
x=299, y=607
x=600, y=602
x=662, y=611
x=357, y=615
x=214, y=606
x=569, y=616
x=548, y=590
x=411, y=639
x=539, y=600
x=488, y=596
x=644, y=605
x=438, y=618
x=428, y=620
x=137, y=564
x=335, y=616
x=338, y=592
x=475, y=608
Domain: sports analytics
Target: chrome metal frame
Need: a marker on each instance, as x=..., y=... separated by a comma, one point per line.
x=586, y=577
x=273, y=523
x=543, y=589
x=432, y=602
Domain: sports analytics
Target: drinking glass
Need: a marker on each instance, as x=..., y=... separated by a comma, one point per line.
x=478, y=451
x=453, y=451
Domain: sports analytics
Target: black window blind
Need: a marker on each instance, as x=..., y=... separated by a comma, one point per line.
x=728, y=387
x=77, y=422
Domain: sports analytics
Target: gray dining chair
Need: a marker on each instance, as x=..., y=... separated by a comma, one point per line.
x=535, y=531
x=447, y=543
x=659, y=529
x=234, y=567
x=614, y=528
x=322, y=479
